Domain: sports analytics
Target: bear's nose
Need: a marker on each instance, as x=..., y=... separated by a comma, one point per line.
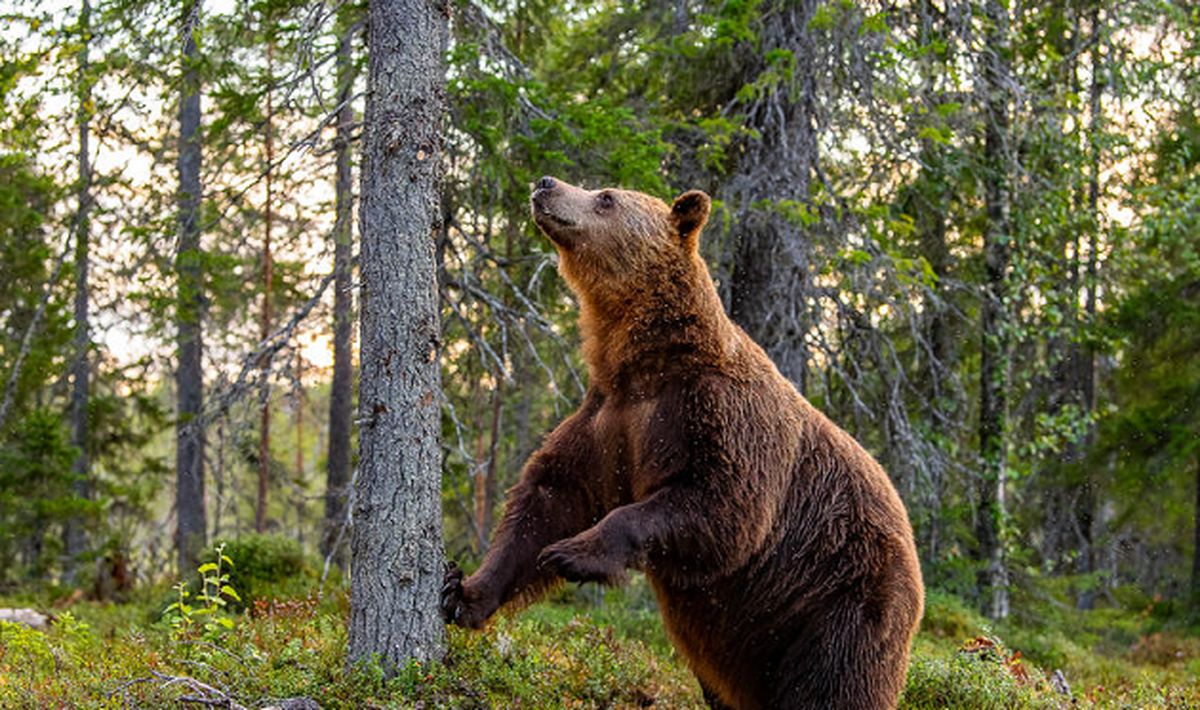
x=545, y=183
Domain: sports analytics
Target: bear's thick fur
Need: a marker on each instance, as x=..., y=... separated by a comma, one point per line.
x=780, y=553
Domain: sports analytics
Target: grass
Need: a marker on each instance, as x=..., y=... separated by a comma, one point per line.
x=575, y=651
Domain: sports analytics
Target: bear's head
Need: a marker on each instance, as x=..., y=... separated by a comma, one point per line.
x=613, y=242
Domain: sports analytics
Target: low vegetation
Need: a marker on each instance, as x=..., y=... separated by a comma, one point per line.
x=582, y=649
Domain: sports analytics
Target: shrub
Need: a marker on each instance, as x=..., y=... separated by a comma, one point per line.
x=264, y=566
x=948, y=616
x=982, y=676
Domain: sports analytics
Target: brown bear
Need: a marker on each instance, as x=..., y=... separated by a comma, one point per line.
x=780, y=553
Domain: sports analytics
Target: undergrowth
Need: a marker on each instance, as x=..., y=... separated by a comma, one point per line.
x=582, y=649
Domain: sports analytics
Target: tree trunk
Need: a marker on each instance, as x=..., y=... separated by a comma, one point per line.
x=1196, y=544
x=485, y=476
x=1089, y=522
x=397, y=561
x=997, y=251
x=929, y=206
x=264, y=426
x=190, y=535
x=219, y=476
x=299, y=448
x=770, y=280
x=75, y=541
x=931, y=224
x=341, y=394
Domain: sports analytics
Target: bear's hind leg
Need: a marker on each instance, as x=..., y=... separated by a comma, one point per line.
x=847, y=665
x=713, y=700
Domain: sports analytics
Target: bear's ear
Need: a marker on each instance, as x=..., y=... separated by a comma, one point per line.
x=689, y=213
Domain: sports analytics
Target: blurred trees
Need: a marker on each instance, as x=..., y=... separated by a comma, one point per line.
x=965, y=229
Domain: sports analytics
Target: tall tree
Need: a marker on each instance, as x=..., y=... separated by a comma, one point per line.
x=75, y=538
x=397, y=560
x=341, y=393
x=190, y=533
x=264, y=426
x=997, y=254
x=770, y=281
x=1086, y=363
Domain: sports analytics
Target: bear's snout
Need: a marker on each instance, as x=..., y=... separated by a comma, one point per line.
x=542, y=190
x=548, y=212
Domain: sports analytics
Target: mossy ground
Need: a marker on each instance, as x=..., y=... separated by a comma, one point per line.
x=575, y=651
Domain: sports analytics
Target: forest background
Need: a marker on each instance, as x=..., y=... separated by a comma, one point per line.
x=967, y=230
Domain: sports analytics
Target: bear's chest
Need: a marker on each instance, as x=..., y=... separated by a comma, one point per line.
x=625, y=433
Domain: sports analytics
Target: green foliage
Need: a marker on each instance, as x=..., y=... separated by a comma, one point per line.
x=969, y=681
x=25, y=649
x=262, y=566
x=207, y=617
x=569, y=653
x=35, y=494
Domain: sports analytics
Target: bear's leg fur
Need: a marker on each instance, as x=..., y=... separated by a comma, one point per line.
x=549, y=503
x=664, y=525
x=713, y=700
x=858, y=667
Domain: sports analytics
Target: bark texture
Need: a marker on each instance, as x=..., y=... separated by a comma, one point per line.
x=189, y=375
x=264, y=425
x=1089, y=524
x=769, y=286
x=1196, y=545
x=341, y=395
x=397, y=560
x=75, y=539
x=997, y=252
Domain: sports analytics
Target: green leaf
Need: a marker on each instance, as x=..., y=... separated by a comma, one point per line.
x=949, y=108
x=936, y=135
x=822, y=18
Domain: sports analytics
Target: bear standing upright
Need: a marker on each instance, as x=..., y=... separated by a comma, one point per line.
x=780, y=553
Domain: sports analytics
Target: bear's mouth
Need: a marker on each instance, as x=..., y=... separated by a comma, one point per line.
x=552, y=224
x=555, y=219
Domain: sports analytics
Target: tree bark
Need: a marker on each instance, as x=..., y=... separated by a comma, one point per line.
x=397, y=562
x=485, y=476
x=299, y=503
x=264, y=426
x=929, y=205
x=1196, y=544
x=1085, y=375
x=190, y=534
x=341, y=395
x=997, y=251
x=770, y=280
x=75, y=537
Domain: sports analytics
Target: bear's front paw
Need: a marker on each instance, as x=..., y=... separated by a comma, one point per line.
x=582, y=559
x=459, y=603
x=452, y=593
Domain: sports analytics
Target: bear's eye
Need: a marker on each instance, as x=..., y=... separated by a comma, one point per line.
x=605, y=200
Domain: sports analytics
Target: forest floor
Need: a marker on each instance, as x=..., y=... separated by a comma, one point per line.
x=583, y=649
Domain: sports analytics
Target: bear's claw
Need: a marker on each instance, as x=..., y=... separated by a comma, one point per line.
x=452, y=594
x=574, y=561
